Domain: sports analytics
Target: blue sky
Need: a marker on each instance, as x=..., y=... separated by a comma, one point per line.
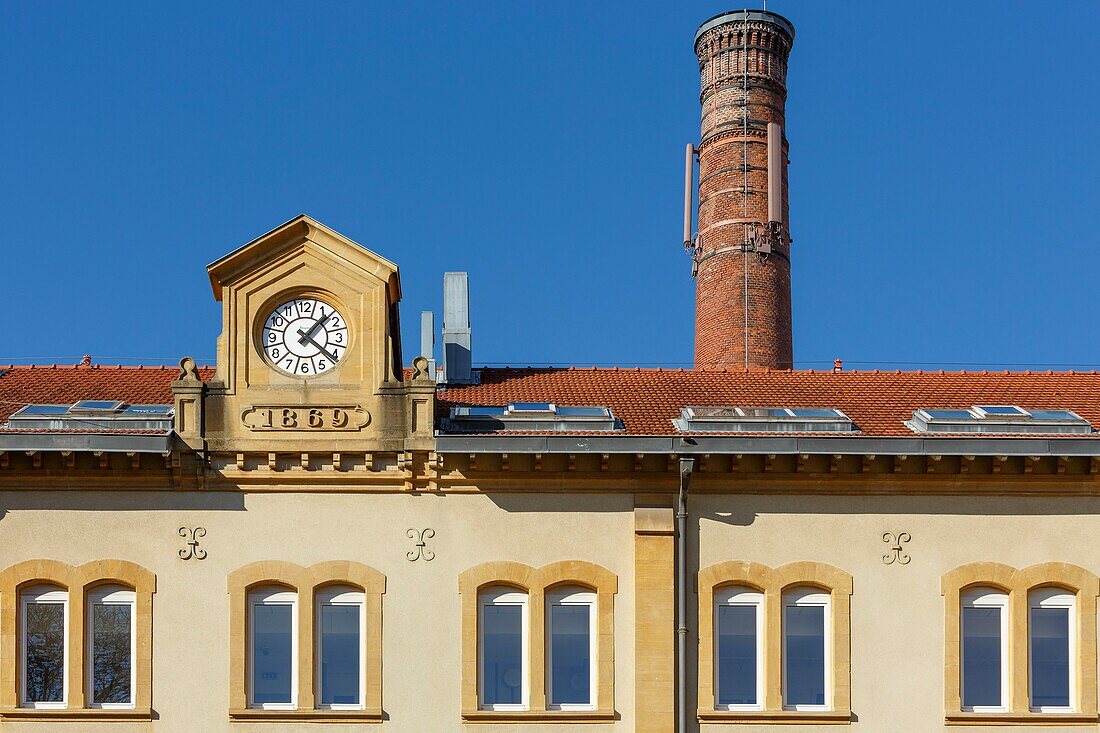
x=943, y=172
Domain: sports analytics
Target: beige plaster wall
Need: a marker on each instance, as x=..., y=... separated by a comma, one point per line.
x=421, y=617
x=896, y=619
x=896, y=610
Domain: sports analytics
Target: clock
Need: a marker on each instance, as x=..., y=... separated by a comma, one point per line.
x=305, y=337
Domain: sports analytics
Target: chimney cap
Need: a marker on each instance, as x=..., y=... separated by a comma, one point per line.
x=734, y=16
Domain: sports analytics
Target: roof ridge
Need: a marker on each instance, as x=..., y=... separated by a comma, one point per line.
x=795, y=372
x=99, y=367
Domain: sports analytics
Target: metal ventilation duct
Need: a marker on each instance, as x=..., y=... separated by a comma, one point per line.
x=457, y=359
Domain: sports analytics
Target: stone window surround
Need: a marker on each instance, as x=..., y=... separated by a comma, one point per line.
x=78, y=581
x=773, y=582
x=305, y=581
x=1018, y=584
x=536, y=582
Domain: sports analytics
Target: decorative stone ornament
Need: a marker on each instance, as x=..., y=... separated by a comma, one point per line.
x=896, y=554
x=189, y=371
x=421, y=550
x=192, y=551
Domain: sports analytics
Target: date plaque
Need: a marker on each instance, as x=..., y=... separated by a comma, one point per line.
x=305, y=418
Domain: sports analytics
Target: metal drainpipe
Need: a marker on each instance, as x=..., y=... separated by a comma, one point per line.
x=687, y=465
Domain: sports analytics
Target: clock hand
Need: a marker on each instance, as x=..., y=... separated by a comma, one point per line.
x=308, y=338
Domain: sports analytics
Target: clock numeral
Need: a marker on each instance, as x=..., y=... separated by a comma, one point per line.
x=338, y=338
x=275, y=353
x=335, y=323
x=322, y=365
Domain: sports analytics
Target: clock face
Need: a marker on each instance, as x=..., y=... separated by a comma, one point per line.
x=305, y=337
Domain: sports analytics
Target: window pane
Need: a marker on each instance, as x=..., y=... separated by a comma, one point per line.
x=502, y=655
x=1049, y=657
x=111, y=653
x=45, y=650
x=737, y=655
x=804, y=650
x=571, y=654
x=272, y=656
x=981, y=657
x=340, y=655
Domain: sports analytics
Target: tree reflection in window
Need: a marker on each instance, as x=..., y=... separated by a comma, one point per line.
x=45, y=652
x=111, y=653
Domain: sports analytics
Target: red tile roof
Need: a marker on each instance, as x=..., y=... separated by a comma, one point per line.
x=65, y=385
x=646, y=400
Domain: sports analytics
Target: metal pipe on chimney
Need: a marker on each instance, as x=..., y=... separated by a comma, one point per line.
x=689, y=170
x=775, y=172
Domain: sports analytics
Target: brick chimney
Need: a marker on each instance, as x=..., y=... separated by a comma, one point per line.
x=742, y=251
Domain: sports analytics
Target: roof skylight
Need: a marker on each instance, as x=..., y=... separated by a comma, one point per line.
x=1005, y=419
x=92, y=415
x=530, y=416
x=712, y=419
x=96, y=406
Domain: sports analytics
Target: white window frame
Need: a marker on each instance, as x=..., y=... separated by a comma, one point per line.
x=340, y=595
x=740, y=596
x=111, y=595
x=273, y=596
x=810, y=597
x=505, y=596
x=1054, y=598
x=985, y=598
x=572, y=596
x=51, y=595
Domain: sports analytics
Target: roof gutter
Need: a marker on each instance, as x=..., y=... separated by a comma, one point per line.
x=86, y=442
x=768, y=444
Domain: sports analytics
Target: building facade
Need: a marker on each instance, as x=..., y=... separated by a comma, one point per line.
x=316, y=531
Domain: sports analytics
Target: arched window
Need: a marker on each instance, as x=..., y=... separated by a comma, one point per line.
x=1020, y=644
x=1052, y=649
x=273, y=648
x=503, y=622
x=43, y=634
x=739, y=653
x=111, y=617
x=774, y=643
x=806, y=649
x=340, y=629
x=984, y=633
x=571, y=648
x=78, y=639
x=538, y=640
x=305, y=639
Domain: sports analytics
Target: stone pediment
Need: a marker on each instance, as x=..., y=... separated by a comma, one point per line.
x=300, y=234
